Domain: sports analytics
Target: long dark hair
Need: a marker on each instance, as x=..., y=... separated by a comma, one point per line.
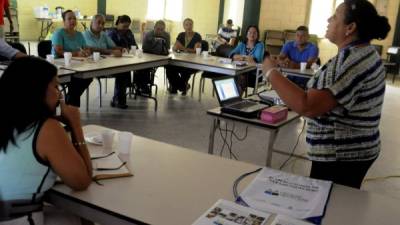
x=370, y=25
x=23, y=88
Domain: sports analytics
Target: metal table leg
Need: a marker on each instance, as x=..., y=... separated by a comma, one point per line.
x=214, y=126
x=270, y=149
x=87, y=99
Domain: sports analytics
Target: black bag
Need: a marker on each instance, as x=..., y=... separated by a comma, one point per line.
x=159, y=47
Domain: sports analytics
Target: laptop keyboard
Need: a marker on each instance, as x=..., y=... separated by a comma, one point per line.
x=242, y=105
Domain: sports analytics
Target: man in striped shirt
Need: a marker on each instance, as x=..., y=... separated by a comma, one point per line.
x=344, y=99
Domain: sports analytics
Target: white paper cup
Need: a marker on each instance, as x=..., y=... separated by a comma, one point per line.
x=125, y=143
x=50, y=58
x=67, y=58
x=133, y=50
x=108, y=140
x=303, y=66
x=198, y=51
x=204, y=54
x=96, y=56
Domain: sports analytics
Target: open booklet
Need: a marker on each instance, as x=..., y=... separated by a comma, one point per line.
x=288, y=194
x=229, y=213
x=107, y=166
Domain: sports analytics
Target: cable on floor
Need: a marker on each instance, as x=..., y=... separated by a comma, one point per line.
x=294, y=147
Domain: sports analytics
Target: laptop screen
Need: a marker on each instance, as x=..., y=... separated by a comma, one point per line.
x=226, y=89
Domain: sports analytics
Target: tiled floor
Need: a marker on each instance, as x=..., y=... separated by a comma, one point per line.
x=182, y=120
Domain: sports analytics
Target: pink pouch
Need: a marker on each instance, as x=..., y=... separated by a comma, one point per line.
x=274, y=114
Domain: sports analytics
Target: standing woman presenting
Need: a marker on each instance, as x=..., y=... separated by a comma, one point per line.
x=344, y=99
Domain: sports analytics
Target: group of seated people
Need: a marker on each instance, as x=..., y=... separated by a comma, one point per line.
x=158, y=41
x=251, y=50
x=114, y=42
x=119, y=39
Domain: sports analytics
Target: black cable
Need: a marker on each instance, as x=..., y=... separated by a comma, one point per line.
x=240, y=178
x=294, y=147
x=237, y=137
x=231, y=139
x=225, y=139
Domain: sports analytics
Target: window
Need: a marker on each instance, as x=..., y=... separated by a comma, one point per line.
x=164, y=9
x=155, y=9
x=320, y=13
x=173, y=10
x=234, y=10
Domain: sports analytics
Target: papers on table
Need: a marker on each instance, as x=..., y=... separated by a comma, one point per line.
x=230, y=213
x=107, y=164
x=288, y=194
x=94, y=138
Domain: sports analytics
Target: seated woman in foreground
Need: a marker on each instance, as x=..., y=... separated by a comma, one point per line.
x=34, y=147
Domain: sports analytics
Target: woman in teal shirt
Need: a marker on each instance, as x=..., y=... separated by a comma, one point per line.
x=250, y=50
x=67, y=39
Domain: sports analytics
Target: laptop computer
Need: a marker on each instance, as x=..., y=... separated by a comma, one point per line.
x=231, y=102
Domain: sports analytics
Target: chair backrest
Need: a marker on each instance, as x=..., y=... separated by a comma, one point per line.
x=44, y=48
x=223, y=51
x=204, y=45
x=17, y=208
x=290, y=35
x=109, y=21
x=274, y=34
x=135, y=26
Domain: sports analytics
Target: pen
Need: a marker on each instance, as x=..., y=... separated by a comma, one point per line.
x=116, y=168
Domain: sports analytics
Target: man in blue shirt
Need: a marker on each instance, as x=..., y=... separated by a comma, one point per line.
x=295, y=52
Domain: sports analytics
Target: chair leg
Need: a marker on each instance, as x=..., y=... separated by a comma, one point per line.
x=87, y=99
x=394, y=78
x=194, y=78
x=255, y=89
x=201, y=84
x=100, y=92
x=166, y=84
x=105, y=86
x=155, y=93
